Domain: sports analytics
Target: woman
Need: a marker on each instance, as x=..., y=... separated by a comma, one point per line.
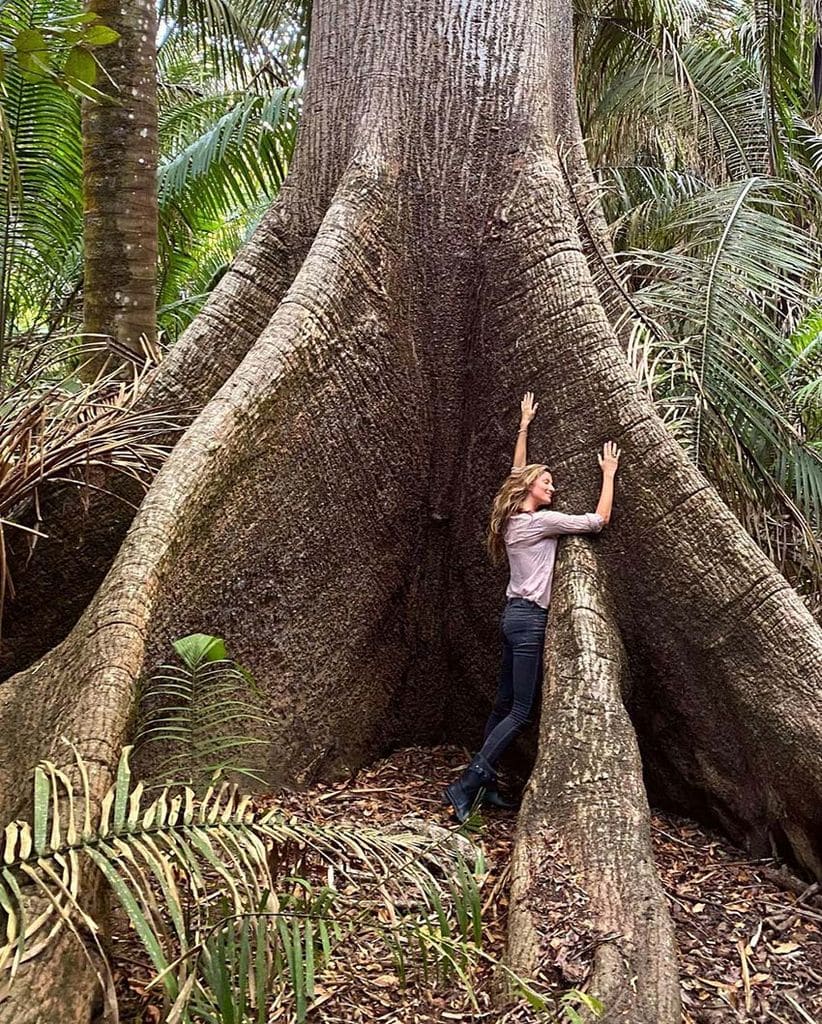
x=523, y=528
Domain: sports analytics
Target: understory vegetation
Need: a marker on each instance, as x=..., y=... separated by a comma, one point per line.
x=240, y=909
x=703, y=131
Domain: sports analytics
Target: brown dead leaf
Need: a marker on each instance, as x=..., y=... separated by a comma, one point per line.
x=785, y=947
x=386, y=981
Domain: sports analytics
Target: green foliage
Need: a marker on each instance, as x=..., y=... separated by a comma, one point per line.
x=241, y=38
x=224, y=155
x=239, y=909
x=48, y=65
x=40, y=173
x=569, y=1002
x=699, y=127
x=49, y=46
x=228, y=116
x=200, y=715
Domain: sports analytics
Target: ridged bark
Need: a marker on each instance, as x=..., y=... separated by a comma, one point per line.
x=584, y=833
x=120, y=186
x=324, y=513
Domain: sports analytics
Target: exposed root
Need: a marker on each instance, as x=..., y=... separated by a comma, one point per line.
x=585, y=823
x=85, y=530
x=260, y=440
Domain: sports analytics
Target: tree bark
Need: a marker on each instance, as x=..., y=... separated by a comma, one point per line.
x=324, y=512
x=585, y=896
x=120, y=184
x=83, y=688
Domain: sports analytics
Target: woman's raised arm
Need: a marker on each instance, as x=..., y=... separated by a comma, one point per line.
x=608, y=461
x=528, y=410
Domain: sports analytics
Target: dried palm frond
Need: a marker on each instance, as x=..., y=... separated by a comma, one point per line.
x=57, y=430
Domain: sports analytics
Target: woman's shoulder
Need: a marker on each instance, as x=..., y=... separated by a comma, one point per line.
x=523, y=523
x=530, y=517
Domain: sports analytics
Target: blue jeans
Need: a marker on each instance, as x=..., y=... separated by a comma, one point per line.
x=523, y=640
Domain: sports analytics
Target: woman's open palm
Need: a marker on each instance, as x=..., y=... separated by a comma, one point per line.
x=609, y=460
x=528, y=408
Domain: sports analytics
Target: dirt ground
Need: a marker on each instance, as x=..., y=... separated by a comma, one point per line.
x=749, y=932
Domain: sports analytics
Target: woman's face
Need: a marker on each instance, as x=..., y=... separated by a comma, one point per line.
x=543, y=488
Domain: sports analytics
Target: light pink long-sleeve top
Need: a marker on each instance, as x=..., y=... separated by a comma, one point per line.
x=531, y=544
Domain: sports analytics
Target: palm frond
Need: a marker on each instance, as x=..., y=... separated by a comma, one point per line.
x=240, y=909
x=224, y=154
x=693, y=104
x=41, y=208
x=240, y=38
x=236, y=159
x=776, y=45
x=734, y=269
x=56, y=430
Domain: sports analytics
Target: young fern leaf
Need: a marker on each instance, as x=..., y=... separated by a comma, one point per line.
x=198, y=715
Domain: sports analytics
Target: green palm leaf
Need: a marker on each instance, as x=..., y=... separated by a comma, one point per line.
x=196, y=882
x=718, y=296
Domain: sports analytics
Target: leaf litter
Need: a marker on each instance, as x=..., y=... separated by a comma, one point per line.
x=749, y=931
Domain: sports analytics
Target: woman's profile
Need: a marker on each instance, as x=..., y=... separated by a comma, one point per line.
x=526, y=530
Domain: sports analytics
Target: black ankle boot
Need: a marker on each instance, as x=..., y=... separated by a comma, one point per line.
x=493, y=798
x=463, y=793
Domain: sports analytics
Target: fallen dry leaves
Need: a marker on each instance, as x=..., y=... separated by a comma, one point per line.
x=749, y=932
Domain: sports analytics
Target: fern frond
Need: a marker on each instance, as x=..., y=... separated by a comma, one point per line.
x=195, y=880
x=202, y=714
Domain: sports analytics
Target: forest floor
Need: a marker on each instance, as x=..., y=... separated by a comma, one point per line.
x=749, y=933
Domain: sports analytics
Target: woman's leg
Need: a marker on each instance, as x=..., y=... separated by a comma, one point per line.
x=505, y=689
x=524, y=627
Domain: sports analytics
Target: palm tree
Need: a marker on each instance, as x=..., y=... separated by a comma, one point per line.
x=699, y=125
x=225, y=135
x=238, y=46
x=119, y=174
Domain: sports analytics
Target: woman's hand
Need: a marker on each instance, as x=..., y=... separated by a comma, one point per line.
x=609, y=460
x=528, y=409
x=608, y=463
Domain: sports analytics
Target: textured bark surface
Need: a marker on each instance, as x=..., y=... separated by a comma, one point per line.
x=62, y=984
x=583, y=833
x=119, y=180
x=324, y=512
x=84, y=687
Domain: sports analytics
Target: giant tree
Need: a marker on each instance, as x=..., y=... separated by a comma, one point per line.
x=357, y=371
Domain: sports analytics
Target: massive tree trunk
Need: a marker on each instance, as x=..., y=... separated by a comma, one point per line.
x=120, y=185
x=358, y=374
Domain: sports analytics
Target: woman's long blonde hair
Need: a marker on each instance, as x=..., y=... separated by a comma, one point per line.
x=508, y=500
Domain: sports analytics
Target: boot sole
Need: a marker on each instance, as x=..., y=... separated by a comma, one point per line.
x=501, y=807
